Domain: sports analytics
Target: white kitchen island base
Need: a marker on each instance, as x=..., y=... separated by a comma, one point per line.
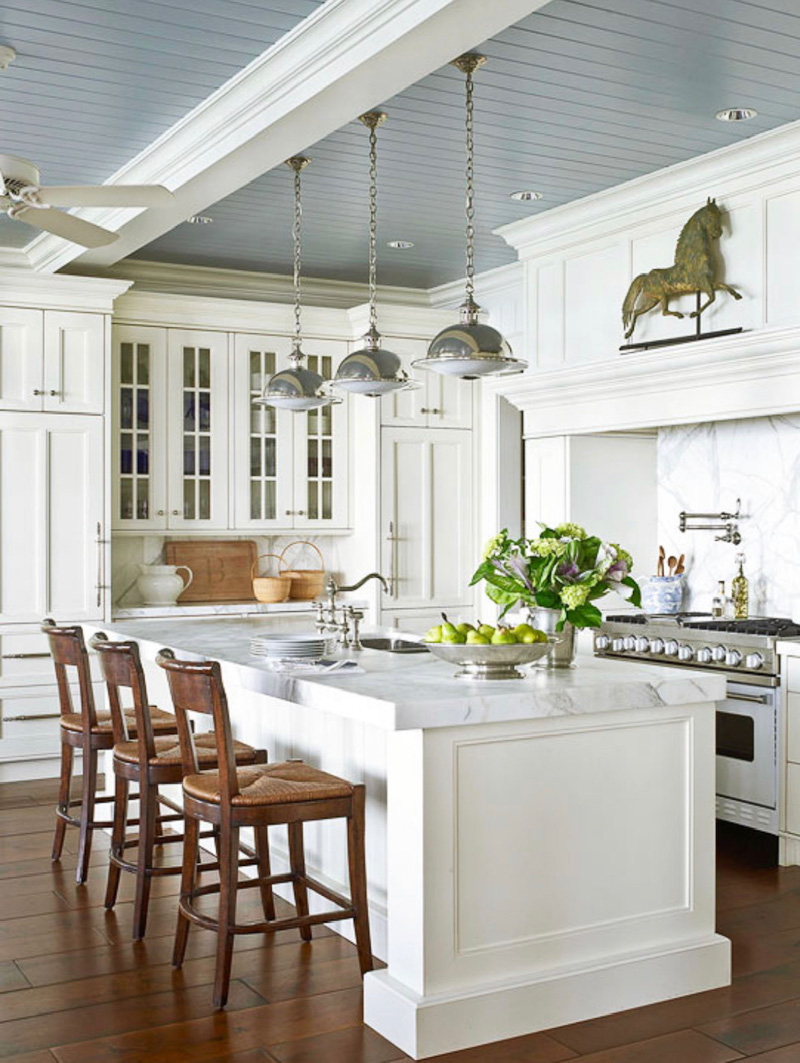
x=538, y=852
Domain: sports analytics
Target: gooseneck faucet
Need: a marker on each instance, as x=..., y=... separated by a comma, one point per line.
x=327, y=619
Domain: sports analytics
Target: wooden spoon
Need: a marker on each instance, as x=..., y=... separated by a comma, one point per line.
x=681, y=568
x=672, y=562
x=660, y=566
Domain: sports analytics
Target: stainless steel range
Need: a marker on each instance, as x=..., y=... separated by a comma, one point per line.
x=749, y=721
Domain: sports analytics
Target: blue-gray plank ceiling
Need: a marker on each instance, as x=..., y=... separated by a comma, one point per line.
x=96, y=81
x=576, y=98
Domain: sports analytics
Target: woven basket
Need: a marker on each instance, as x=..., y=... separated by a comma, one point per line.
x=307, y=583
x=270, y=589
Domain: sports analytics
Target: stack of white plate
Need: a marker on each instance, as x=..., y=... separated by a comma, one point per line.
x=290, y=647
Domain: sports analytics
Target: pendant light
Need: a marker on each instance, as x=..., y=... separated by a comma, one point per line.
x=296, y=388
x=372, y=370
x=471, y=348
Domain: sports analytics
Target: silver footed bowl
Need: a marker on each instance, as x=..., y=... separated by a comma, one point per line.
x=491, y=662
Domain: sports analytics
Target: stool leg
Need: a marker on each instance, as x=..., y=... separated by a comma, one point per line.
x=148, y=808
x=297, y=861
x=63, y=799
x=87, y=812
x=191, y=830
x=117, y=839
x=228, y=878
x=264, y=871
x=358, y=879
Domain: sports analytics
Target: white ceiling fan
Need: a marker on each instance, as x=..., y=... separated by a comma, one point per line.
x=23, y=199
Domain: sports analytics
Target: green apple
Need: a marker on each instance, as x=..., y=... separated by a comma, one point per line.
x=434, y=634
x=475, y=638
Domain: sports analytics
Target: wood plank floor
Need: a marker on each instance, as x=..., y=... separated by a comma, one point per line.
x=74, y=988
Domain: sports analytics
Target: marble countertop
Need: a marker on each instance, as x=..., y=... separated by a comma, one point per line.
x=247, y=608
x=411, y=691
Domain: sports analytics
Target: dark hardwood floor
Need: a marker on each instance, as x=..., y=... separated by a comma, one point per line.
x=74, y=988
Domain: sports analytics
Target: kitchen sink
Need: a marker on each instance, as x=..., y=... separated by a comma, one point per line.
x=392, y=645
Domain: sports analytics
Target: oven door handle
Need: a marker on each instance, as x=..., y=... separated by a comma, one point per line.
x=757, y=699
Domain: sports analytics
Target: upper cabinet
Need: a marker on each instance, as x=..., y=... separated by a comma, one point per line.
x=439, y=402
x=51, y=361
x=192, y=451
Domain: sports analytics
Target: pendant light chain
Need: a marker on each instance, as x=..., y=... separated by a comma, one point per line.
x=373, y=227
x=470, y=197
x=296, y=234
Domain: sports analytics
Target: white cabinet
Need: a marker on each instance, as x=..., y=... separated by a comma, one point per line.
x=427, y=498
x=440, y=401
x=51, y=360
x=51, y=517
x=321, y=451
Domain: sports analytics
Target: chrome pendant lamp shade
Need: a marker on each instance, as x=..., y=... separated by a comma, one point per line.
x=296, y=388
x=471, y=348
x=372, y=370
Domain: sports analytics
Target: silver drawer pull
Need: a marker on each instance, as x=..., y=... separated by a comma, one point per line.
x=758, y=699
x=21, y=719
x=22, y=656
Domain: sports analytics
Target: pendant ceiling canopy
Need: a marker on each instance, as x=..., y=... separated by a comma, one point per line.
x=372, y=370
x=470, y=348
x=297, y=388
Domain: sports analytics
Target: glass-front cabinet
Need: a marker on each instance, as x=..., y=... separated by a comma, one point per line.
x=192, y=451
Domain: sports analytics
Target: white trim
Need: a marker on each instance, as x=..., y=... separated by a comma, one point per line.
x=28, y=288
x=13, y=258
x=409, y=322
x=490, y=282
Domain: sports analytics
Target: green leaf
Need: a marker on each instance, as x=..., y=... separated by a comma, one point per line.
x=585, y=615
x=547, y=598
x=501, y=597
x=635, y=597
x=482, y=572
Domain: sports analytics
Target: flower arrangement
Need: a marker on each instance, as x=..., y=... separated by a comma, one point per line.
x=564, y=568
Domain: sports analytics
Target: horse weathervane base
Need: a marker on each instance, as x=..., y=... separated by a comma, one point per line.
x=694, y=272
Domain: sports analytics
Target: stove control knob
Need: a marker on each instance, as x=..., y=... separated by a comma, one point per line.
x=733, y=658
x=656, y=645
x=754, y=661
x=618, y=645
x=704, y=655
x=719, y=653
x=671, y=648
x=629, y=642
x=642, y=644
x=602, y=642
x=685, y=653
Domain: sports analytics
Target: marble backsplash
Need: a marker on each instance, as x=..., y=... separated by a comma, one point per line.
x=705, y=468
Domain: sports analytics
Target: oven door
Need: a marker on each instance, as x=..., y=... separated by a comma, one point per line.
x=747, y=736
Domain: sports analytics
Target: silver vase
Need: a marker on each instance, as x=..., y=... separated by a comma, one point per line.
x=563, y=653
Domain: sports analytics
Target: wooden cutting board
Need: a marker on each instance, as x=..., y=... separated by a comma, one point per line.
x=221, y=569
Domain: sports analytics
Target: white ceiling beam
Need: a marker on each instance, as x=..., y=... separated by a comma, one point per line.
x=347, y=57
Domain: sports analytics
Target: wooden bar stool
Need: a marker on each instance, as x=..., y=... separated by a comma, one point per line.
x=87, y=730
x=292, y=793
x=150, y=762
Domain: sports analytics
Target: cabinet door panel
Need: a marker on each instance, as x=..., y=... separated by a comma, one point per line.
x=449, y=402
x=74, y=362
x=21, y=359
x=426, y=492
x=263, y=437
x=404, y=408
x=197, y=429
x=138, y=417
x=23, y=510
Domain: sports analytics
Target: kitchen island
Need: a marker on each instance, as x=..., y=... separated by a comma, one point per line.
x=539, y=851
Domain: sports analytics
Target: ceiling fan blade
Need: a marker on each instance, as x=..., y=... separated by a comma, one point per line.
x=67, y=225
x=105, y=196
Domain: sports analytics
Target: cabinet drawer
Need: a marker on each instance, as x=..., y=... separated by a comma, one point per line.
x=793, y=727
x=25, y=659
x=29, y=724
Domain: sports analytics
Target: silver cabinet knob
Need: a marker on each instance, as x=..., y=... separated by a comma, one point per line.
x=642, y=644
x=671, y=648
x=685, y=653
x=176, y=513
x=159, y=512
x=51, y=392
x=602, y=642
x=733, y=658
x=38, y=391
x=656, y=645
x=719, y=653
x=754, y=661
x=289, y=512
x=704, y=655
x=301, y=513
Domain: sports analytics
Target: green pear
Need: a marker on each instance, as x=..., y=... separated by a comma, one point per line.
x=503, y=637
x=449, y=630
x=434, y=634
x=475, y=638
x=487, y=630
x=525, y=633
x=464, y=627
x=453, y=637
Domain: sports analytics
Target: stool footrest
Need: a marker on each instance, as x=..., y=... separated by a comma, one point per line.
x=271, y=926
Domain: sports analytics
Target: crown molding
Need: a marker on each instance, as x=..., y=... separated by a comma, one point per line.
x=213, y=283
x=14, y=258
x=753, y=374
x=406, y=322
x=25, y=287
x=346, y=57
x=738, y=168
x=491, y=282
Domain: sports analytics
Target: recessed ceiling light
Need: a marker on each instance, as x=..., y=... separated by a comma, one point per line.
x=199, y=219
x=736, y=114
x=7, y=53
x=400, y=245
x=526, y=196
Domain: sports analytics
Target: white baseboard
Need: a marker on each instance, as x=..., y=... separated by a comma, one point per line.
x=428, y=1026
x=788, y=850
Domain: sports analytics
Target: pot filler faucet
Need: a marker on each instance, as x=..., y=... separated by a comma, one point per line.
x=327, y=620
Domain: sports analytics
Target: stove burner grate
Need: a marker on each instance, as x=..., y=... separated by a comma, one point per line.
x=775, y=627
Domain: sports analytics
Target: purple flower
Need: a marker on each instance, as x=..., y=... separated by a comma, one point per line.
x=569, y=572
x=617, y=572
x=518, y=567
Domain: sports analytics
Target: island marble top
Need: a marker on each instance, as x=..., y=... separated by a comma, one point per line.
x=412, y=691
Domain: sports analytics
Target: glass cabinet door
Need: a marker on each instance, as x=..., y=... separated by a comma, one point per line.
x=263, y=437
x=197, y=426
x=321, y=443
x=138, y=424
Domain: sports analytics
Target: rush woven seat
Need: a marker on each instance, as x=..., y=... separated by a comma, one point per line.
x=233, y=797
x=163, y=722
x=270, y=784
x=168, y=751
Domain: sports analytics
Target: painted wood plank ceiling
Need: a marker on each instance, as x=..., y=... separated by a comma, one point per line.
x=96, y=81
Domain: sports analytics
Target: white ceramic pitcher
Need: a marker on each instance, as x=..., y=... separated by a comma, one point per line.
x=161, y=584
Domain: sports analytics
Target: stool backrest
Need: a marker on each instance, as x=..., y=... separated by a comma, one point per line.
x=196, y=686
x=68, y=650
x=122, y=668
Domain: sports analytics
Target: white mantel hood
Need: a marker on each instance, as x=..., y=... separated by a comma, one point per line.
x=753, y=374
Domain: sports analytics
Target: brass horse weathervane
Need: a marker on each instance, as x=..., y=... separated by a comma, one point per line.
x=694, y=271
